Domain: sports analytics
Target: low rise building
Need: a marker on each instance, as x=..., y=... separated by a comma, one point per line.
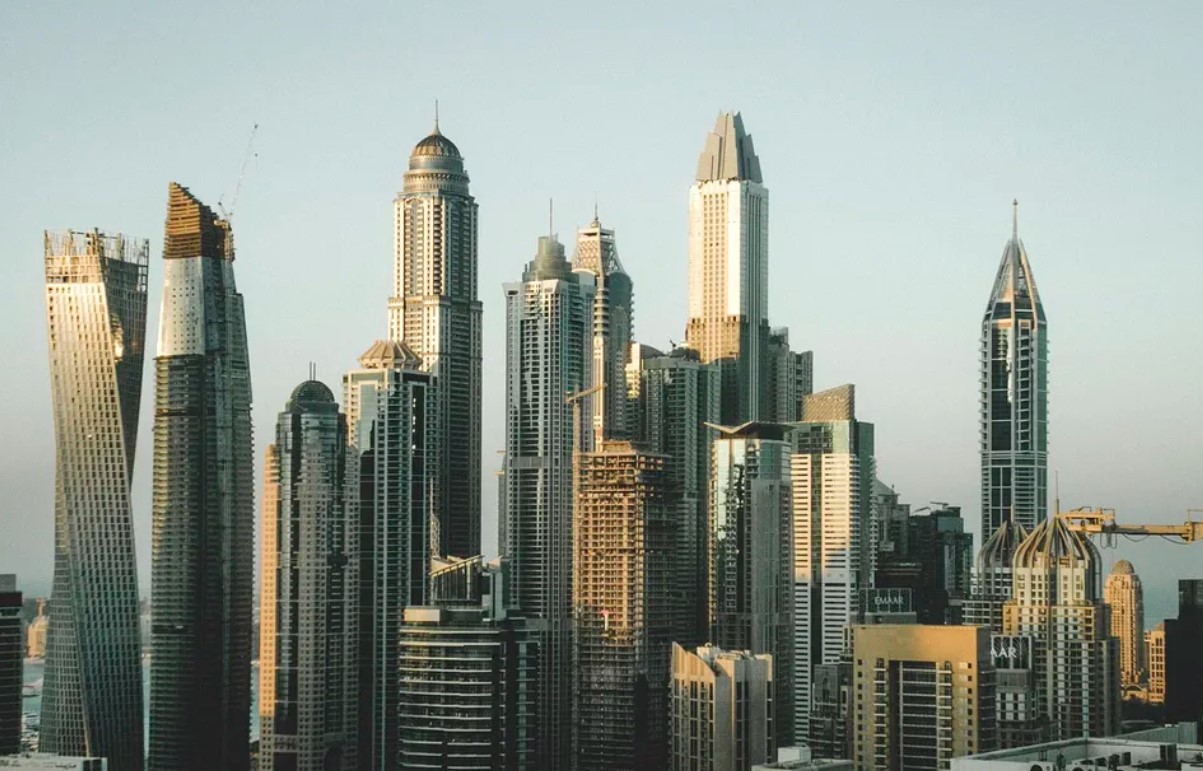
x=1166, y=748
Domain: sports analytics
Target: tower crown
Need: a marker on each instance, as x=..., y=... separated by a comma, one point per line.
x=728, y=153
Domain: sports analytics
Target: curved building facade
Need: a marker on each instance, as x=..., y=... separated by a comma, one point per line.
x=96, y=313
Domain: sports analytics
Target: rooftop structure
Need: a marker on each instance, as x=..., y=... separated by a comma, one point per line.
x=1167, y=748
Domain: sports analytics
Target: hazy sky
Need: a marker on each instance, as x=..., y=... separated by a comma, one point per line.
x=892, y=138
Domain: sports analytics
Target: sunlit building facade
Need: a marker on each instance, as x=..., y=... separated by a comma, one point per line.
x=1125, y=598
x=96, y=288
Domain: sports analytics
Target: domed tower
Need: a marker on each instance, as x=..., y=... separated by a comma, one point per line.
x=1125, y=598
x=992, y=578
x=1057, y=601
x=435, y=311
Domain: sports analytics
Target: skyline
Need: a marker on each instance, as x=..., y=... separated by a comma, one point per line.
x=1100, y=188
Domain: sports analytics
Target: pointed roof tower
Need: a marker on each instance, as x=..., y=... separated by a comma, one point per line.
x=1015, y=285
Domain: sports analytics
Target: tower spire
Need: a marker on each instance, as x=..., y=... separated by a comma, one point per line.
x=1015, y=218
x=436, y=117
x=551, y=219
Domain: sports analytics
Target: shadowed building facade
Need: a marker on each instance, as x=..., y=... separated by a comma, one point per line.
x=435, y=311
x=203, y=520
x=96, y=313
x=1014, y=396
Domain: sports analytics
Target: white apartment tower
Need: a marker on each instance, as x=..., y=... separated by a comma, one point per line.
x=435, y=311
x=832, y=473
x=728, y=267
x=1124, y=595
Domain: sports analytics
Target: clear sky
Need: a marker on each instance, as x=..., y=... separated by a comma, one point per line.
x=892, y=137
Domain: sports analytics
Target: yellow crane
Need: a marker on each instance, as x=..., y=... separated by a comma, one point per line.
x=1093, y=521
x=575, y=400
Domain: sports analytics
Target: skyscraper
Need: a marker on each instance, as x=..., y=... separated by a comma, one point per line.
x=622, y=569
x=728, y=267
x=310, y=585
x=549, y=339
x=678, y=396
x=1181, y=666
x=1014, y=395
x=720, y=709
x=1155, y=663
x=832, y=473
x=96, y=313
x=1057, y=600
x=203, y=519
x=388, y=405
x=789, y=376
x=435, y=311
x=1125, y=599
x=613, y=327
x=11, y=668
x=993, y=578
x=468, y=682
x=923, y=695
x=750, y=555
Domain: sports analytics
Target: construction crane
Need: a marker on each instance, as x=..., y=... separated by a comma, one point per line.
x=228, y=213
x=575, y=400
x=1102, y=522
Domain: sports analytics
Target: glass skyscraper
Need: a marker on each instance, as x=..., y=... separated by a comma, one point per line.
x=96, y=309
x=203, y=518
x=1014, y=396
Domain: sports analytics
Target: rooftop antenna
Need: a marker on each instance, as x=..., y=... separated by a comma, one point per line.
x=551, y=218
x=595, y=217
x=436, y=116
x=1015, y=218
x=1057, y=491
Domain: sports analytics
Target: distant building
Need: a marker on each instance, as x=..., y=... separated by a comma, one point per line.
x=803, y=758
x=728, y=268
x=389, y=426
x=922, y=695
x=621, y=577
x=678, y=397
x=1125, y=598
x=720, y=710
x=308, y=656
x=92, y=702
x=993, y=577
x=831, y=710
x=789, y=376
x=832, y=473
x=1057, y=601
x=435, y=312
x=1183, y=664
x=750, y=600
x=1155, y=664
x=549, y=334
x=1019, y=711
x=35, y=635
x=1164, y=748
x=1014, y=396
x=469, y=693
x=934, y=559
x=11, y=665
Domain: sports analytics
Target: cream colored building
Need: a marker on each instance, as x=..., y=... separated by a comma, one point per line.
x=1155, y=663
x=922, y=695
x=720, y=709
x=1123, y=594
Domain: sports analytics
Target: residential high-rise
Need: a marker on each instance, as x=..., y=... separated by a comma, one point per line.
x=789, y=377
x=613, y=328
x=308, y=669
x=720, y=710
x=621, y=575
x=832, y=473
x=435, y=311
x=993, y=578
x=203, y=518
x=923, y=695
x=678, y=396
x=1155, y=663
x=549, y=339
x=1057, y=600
x=750, y=554
x=11, y=666
x=1125, y=599
x=388, y=406
x=728, y=267
x=1019, y=711
x=830, y=726
x=1183, y=665
x=96, y=314
x=939, y=541
x=1014, y=396
x=468, y=682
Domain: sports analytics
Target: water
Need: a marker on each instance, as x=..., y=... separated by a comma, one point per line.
x=35, y=670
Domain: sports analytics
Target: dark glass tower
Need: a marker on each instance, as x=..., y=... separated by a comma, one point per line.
x=202, y=553
x=1014, y=396
x=96, y=309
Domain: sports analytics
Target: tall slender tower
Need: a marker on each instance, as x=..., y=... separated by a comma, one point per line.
x=1014, y=395
x=728, y=267
x=96, y=308
x=202, y=551
x=1124, y=595
x=307, y=635
x=548, y=349
x=613, y=323
x=434, y=310
x=388, y=404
